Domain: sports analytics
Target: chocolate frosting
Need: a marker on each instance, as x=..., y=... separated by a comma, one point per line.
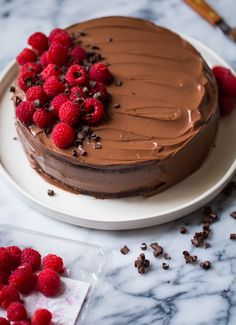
x=167, y=100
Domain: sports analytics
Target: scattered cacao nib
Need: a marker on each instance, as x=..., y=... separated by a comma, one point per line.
x=116, y=105
x=232, y=236
x=154, y=245
x=183, y=230
x=165, y=266
x=207, y=245
x=82, y=152
x=37, y=103
x=95, y=47
x=209, y=218
x=82, y=33
x=97, y=145
x=189, y=258
x=166, y=256
x=143, y=246
x=124, y=250
x=157, y=249
x=51, y=192
x=12, y=89
x=74, y=153
x=118, y=83
x=109, y=39
x=141, y=263
x=205, y=265
x=233, y=215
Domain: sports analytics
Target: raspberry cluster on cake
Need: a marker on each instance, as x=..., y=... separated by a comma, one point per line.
x=115, y=106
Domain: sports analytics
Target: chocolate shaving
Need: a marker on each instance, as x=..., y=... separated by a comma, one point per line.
x=118, y=83
x=109, y=39
x=12, y=89
x=165, y=266
x=188, y=258
x=157, y=249
x=74, y=153
x=82, y=33
x=205, y=265
x=97, y=145
x=143, y=246
x=141, y=263
x=232, y=236
x=50, y=192
x=95, y=47
x=124, y=250
x=116, y=105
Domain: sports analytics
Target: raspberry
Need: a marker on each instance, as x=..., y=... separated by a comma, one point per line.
x=4, y=276
x=99, y=89
x=76, y=75
x=25, y=111
x=38, y=41
x=23, y=278
x=100, y=72
x=8, y=294
x=69, y=113
x=77, y=92
x=32, y=257
x=36, y=93
x=78, y=54
x=49, y=282
x=44, y=59
x=57, y=102
x=226, y=81
x=54, y=262
x=60, y=36
x=53, y=86
x=15, y=254
x=33, y=67
x=57, y=54
x=226, y=105
x=16, y=311
x=63, y=135
x=4, y=321
x=50, y=70
x=22, y=83
x=5, y=259
x=41, y=317
x=43, y=119
x=22, y=322
x=93, y=110
x=26, y=79
x=26, y=55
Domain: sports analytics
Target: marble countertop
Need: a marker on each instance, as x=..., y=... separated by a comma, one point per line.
x=185, y=294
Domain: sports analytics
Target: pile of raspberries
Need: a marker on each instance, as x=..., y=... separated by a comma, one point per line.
x=22, y=272
x=64, y=85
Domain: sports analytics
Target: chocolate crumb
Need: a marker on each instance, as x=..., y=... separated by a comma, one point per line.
x=165, y=266
x=116, y=105
x=207, y=245
x=183, y=230
x=205, y=265
x=12, y=89
x=82, y=33
x=189, y=258
x=157, y=250
x=118, y=83
x=233, y=215
x=95, y=47
x=74, y=153
x=97, y=145
x=51, y=192
x=141, y=269
x=166, y=256
x=109, y=39
x=232, y=236
x=141, y=263
x=143, y=246
x=124, y=250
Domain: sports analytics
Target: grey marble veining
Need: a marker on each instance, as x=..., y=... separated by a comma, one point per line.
x=184, y=294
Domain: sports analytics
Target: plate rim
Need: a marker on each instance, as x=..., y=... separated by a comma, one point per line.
x=84, y=221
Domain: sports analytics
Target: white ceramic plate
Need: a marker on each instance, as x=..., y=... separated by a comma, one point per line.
x=116, y=214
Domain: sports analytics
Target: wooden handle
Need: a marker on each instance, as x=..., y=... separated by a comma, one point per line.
x=204, y=10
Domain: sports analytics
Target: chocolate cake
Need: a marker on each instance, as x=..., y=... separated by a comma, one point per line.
x=159, y=124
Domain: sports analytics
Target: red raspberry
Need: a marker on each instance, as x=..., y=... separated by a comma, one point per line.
x=99, y=88
x=57, y=54
x=43, y=119
x=36, y=93
x=15, y=254
x=33, y=67
x=38, y=41
x=26, y=79
x=60, y=36
x=4, y=321
x=78, y=54
x=93, y=110
x=63, y=135
x=32, y=257
x=53, y=86
x=5, y=259
x=16, y=311
x=25, y=111
x=100, y=72
x=77, y=92
x=4, y=276
x=26, y=55
x=41, y=317
x=226, y=81
x=49, y=282
x=23, y=279
x=76, y=75
x=22, y=83
x=54, y=262
x=22, y=322
x=57, y=102
x=50, y=70
x=226, y=105
x=69, y=113
x=44, y=59
x=8, y=294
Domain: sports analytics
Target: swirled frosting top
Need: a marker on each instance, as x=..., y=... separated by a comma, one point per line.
x=165, y=99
